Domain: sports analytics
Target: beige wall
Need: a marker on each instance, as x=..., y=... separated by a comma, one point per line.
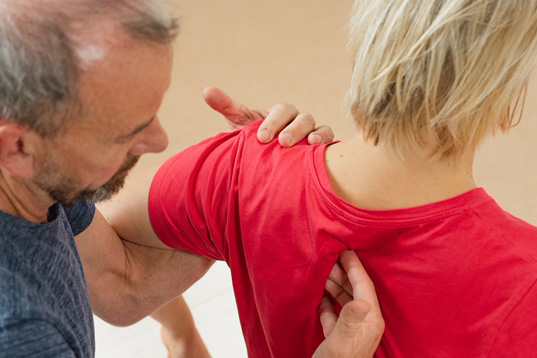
x=265, y=52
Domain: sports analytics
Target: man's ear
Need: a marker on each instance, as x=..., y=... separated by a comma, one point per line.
x=14, y=154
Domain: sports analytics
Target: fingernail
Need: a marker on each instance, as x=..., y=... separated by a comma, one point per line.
x=287, y=138
x=265, y=135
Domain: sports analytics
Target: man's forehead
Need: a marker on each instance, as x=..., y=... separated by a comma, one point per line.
x=126, y=87
x=127, y=66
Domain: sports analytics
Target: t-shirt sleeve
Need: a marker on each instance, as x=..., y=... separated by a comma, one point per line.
x=517, y=336
x=80, y=216
x=32, y=338
x=192, y=195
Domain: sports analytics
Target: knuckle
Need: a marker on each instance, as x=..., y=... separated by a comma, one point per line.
x=307, y=121
x=287, y=107
x=326, y=129
x=325, y=132
x=379, y=327
x=269, y=124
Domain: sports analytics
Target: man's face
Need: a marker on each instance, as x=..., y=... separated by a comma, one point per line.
x=120, y=96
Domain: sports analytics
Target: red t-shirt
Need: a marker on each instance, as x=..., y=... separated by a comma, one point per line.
x=455, y=278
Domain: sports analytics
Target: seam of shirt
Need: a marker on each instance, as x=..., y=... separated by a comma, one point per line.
x=82, y=218
x=154, y=200
x=508, y=315
x=506, y=238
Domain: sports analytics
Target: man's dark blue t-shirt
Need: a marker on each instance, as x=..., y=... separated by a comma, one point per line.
x=44, y=304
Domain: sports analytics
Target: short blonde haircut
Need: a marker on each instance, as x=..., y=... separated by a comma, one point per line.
x=439, y=73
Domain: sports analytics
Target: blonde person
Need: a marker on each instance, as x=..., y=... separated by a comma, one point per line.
x=454, y=273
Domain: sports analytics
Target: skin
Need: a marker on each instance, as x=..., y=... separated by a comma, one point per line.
x=372, y=177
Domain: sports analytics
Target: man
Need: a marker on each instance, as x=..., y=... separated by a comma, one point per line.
x=80, y=86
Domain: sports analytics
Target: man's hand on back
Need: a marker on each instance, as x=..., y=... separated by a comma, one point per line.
x=359, y=328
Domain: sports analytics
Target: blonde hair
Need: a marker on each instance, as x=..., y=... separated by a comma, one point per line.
x=439, y=73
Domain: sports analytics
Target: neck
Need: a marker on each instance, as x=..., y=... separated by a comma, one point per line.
x=373, y=177
x=23, y=200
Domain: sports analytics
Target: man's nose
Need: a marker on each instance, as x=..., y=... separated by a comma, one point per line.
x=153, y=139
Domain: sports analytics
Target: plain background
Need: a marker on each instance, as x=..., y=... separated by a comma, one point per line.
x=267, y=52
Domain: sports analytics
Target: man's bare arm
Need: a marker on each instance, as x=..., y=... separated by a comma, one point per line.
x=130, y=272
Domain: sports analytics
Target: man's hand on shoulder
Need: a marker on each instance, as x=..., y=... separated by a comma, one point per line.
x=285, y=119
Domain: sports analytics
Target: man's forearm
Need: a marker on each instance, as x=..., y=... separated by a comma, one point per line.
x=127, y=281
x=106, y=267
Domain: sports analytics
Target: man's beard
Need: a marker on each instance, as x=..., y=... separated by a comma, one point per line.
x=63, y=189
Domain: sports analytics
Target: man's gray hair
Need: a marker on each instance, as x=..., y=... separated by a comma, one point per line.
x=41, y=57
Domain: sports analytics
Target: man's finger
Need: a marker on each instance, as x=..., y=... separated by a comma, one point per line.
x=298, y=129
x=220, y=101
x=237, y=114
x=339, y=293
x=359, y=328
x=363, y=287
x=328, y=316
x=339, y=276
x=278, y=117
x=321, y=135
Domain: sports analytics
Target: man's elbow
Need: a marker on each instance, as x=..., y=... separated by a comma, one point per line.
x=118, y=319
x=121, y=312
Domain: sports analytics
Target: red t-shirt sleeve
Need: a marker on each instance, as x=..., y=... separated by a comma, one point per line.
x=190, y=196
x=517, y=336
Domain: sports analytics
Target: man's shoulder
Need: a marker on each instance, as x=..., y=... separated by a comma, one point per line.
x=24, y=337
x=80, y=216
x=42, y=310
x=36, y=267
x=20, y=296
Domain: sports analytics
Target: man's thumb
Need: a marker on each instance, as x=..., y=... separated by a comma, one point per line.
x=352, y=316
x=219, y=100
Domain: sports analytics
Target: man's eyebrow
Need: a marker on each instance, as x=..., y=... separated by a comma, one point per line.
x=137, y=130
